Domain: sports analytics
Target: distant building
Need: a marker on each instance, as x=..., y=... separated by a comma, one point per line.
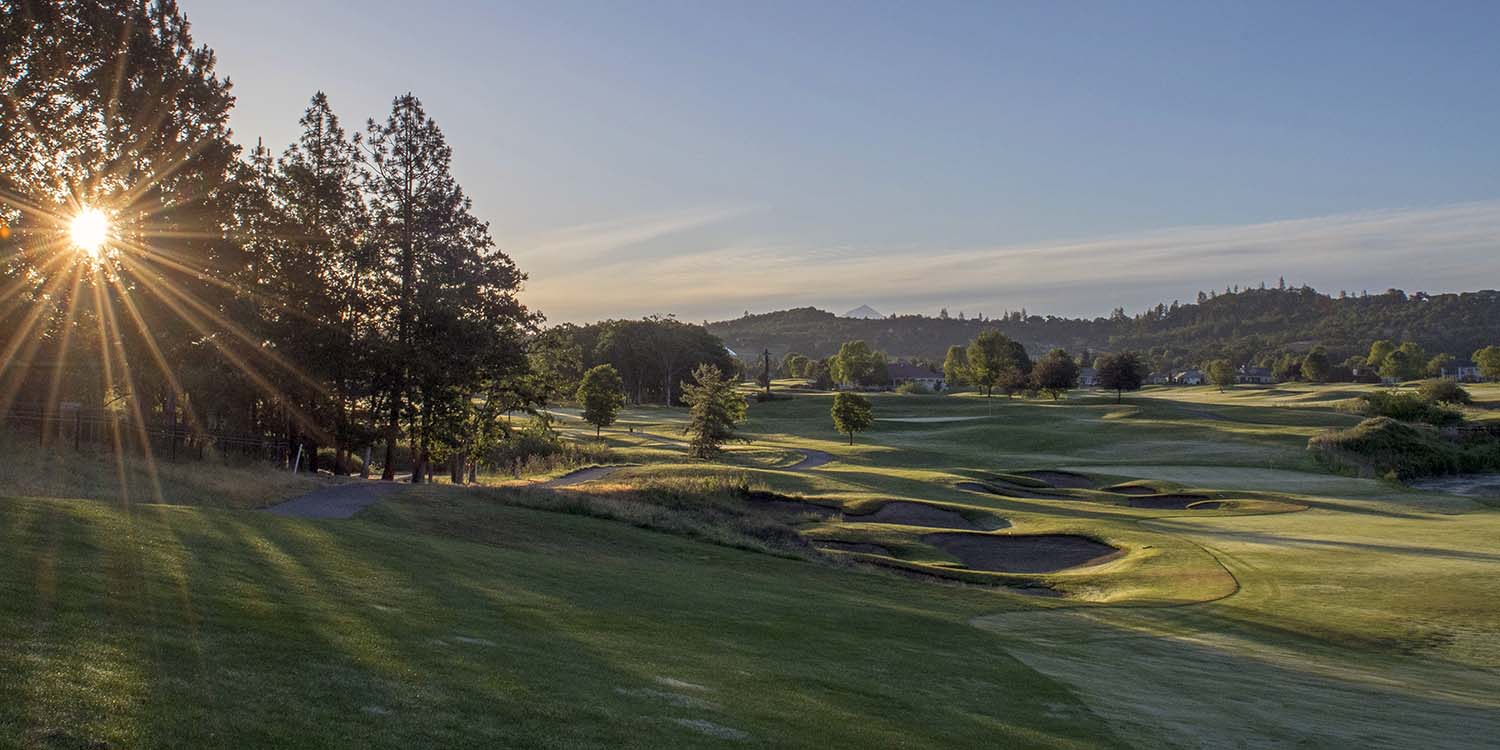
x=1159, y=378
x=1088, y=377
x=1463, y=372
x=901, y=372
x=1254, y=376
x=1190, y=377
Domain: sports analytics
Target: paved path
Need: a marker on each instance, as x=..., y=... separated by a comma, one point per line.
x=336, y=501
x=811, y=459
x=580, y=476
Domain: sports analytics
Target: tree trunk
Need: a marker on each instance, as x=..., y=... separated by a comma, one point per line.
x=388, y=472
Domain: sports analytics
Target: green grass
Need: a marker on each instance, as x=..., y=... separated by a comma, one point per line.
x=447, y=620
x=496, y=617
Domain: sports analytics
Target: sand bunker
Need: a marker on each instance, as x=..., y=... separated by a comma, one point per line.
x=1063, y=479
x=921, y=514
x=1177, y=502
x=842, y=546
x=785, y=506
x=1010, y=490
x=1031, y=553
x=926, y=420
x=1134, y=489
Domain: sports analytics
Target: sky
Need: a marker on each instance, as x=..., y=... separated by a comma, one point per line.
x=706, y=159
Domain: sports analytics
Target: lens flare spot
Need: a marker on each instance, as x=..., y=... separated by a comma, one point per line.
x=90, y=230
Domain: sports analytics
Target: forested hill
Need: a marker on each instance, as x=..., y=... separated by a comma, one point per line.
x=1246, y=326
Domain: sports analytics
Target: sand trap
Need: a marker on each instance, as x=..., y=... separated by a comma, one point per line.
x=1178, y=502
x=919, y=514
x=926, y=420
x=1031, y=553
x=1063, y=479
x=1131, y=490
x=782, y=505
x=841, y=546
x=1010, y=490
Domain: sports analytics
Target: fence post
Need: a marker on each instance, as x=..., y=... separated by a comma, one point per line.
x=298, y=463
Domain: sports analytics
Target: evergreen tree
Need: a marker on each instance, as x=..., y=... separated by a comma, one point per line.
x=320, y=269
x=716, y=409
x=453, y=295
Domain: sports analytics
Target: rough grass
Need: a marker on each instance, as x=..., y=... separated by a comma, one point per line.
x=1385, y=447
x=31, y=471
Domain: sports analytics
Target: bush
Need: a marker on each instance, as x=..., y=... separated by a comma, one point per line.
x=1445, y=392
x=1407, y=407
x=538, y=450
x=913, y=388
x=1383, y=446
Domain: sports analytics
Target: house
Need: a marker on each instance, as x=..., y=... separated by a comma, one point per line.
x=1088, y=377
x=1463, y=372
x=1254, y=376
x=1159, y=378
x=1189, y=377
x=902, y=372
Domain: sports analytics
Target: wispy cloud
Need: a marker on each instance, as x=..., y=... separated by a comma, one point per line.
x=1435, y=249
x=565, y=247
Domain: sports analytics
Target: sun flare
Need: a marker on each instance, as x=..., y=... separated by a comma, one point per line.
x=90, y=230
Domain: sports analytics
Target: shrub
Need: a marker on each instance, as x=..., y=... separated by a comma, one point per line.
x=913, y=388
x=1383, y=446
x=1444, y=392
x=538, y=450
x=1407, y=407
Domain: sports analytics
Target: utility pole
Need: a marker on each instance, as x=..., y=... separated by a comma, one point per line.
x=766, y=355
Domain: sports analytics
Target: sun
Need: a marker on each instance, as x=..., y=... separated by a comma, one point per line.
x=90, y=230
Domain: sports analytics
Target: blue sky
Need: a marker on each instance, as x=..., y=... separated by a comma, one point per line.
x=706, y=158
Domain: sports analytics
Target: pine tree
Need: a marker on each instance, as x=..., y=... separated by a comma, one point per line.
x=453, y=294
x=716, y=409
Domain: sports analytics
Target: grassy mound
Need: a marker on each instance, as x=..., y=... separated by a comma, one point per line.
x=1387, y=447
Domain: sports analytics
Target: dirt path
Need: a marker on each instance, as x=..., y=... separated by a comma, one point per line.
x=336, y=501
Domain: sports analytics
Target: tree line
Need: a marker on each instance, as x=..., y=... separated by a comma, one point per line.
x=1257, y=326
x=339, y=293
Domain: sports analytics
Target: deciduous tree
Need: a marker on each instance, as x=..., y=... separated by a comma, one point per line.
x=852, y=413
x=600, y=394
x=1221, y=373
x=1120, y=372
x=1056, y=373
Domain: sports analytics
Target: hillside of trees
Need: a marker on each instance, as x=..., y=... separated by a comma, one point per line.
x=1249, y=326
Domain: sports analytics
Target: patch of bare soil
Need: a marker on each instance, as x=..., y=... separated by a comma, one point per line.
x=1134, y=489
x=921, y=514
x=1029, y=553
x=1062, y=479
x=1170, y=502
x=842, y=546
